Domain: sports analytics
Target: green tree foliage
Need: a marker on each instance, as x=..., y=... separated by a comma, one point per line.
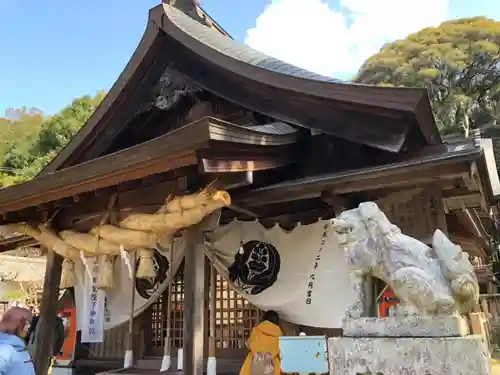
x=19, y=126
x=34, y=139
x=458, y=62
x=59, y=129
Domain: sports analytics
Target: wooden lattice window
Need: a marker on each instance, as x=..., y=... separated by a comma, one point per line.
x=177, y=317
x=234, y=319
x=158, y=316
x=157, y=323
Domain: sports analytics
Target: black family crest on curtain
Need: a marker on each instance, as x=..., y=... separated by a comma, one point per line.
x=147, y=287
x=256, y=267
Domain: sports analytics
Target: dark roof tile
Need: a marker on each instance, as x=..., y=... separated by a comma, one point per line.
x=233, y=49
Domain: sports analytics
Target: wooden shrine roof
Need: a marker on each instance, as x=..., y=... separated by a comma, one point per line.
x=384, y=118
x=447, y=168
x=175, y=18
x=447, y=165
x=380, y=117
x=211, y=144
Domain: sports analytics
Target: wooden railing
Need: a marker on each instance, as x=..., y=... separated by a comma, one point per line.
x=489, y=304
x=486, y=311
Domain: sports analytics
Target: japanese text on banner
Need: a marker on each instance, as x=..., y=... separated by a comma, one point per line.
x=312, y=276
x=93, y=323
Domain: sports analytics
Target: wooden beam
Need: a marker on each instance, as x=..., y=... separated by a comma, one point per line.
x=139, y=196
x=48, y=311
x=243, y=211
x=337, y=202
x=302, y=216
x=439, y=210
x=403, y=179
x=242, y=165
x=471, y=178
x=228, y=181
x=159, y=155
x=15, y=242
x=369, y=302
x=143, y=199
x=468, y=244
x=458, y=193
x=194, y=301
x=401, y=175
x=210, y=222
x=398, y=197
x=225, y=146
x=479, y=223
x=471, y=226
x=460, y=203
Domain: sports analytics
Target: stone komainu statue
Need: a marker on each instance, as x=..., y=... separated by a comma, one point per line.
x=437, y=280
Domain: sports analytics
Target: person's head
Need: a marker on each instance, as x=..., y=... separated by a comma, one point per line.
x=271, y=316
x=15, y=321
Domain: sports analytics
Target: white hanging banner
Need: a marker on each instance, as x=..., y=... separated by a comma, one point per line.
x=117, y=303
x=93, y=303
x=301, y=274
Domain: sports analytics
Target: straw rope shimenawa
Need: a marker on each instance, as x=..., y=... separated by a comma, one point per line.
x=137, y=232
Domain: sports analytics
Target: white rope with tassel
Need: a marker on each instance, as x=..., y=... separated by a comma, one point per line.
x=166, y=360
x=126, y=259
x=128, y=360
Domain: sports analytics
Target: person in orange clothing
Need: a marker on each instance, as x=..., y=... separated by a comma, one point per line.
x=263, y=344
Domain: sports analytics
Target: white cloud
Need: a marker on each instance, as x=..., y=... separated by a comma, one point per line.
x=313, y=35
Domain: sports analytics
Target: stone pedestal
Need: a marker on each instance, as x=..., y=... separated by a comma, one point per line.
x=412, y=356
x=407, y=326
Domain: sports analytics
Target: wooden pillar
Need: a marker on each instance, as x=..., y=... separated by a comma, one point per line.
x=48, y=312
x=194, y=301
x=491, y=288
x=439, y=209
x=369, y=303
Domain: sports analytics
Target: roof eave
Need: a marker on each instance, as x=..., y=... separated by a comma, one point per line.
x=449, y=165
x=203, y=45
x=488, y=171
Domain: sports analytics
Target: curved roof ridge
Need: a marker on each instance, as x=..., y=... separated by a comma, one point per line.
x=327, y=98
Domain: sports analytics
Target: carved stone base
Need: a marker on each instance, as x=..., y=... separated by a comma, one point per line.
x=419, y=356
x=407, y=326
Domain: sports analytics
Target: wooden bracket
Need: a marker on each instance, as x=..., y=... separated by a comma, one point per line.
x=210, y=222
x=471, y=178
x=338, y=203
x=398, y=197
x=242, y=210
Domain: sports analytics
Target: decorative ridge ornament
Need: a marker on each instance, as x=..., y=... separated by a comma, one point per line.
x=189, y=7
x=171, y=87
x=437, y=280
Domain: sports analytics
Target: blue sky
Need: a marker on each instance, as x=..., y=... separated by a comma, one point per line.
x=53, y=51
